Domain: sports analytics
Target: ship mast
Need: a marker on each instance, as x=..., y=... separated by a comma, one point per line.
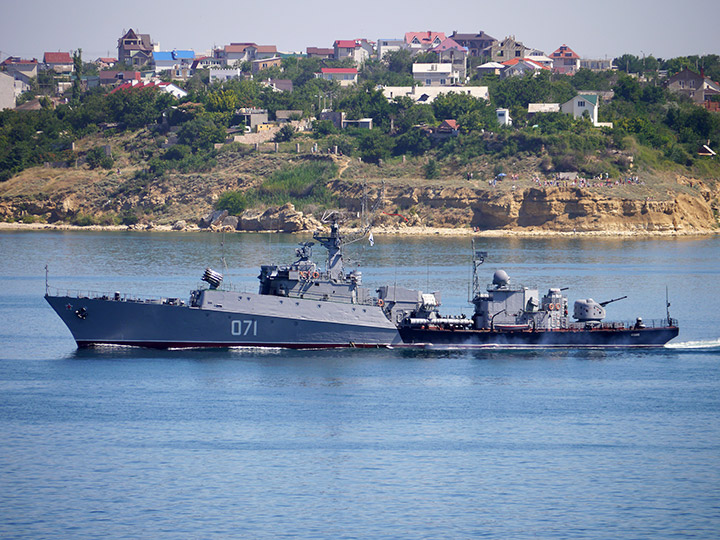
x=478, y=257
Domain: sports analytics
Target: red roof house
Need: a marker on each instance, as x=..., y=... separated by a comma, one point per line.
x=61, y=62
x=565, y=60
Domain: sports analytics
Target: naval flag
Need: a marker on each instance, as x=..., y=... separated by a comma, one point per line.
x=371, y=239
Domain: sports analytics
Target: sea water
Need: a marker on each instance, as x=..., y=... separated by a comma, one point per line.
x=243, y=443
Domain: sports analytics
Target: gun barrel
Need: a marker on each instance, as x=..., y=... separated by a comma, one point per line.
x=603, y=304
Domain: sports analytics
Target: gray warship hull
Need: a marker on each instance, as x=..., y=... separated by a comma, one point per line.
x=574, y=338
x=225, y=320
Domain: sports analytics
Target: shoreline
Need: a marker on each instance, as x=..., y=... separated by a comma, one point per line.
x=380, y=230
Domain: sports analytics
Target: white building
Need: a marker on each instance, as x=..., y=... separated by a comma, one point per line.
x=7, y=91
x=385, y=46
x=436, y=74
x=344, y=76
x=358, y=50
x=503, y=117
x=581, y=104
x=427, y=94
x=535, y=108
x=225, y=74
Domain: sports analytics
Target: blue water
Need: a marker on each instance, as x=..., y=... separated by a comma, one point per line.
x=131, y=443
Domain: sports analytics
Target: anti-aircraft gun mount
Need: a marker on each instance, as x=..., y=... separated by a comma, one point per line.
x=590, y=311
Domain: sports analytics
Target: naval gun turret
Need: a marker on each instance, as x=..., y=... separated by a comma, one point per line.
x=588, y=310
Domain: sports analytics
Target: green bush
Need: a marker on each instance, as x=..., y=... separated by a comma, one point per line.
x=301, y=185
x=96, y=157
x=285, y=134
x=431, y=169
x=83, y=220
x=235, y=202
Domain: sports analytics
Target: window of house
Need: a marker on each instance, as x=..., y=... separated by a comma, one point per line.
x=581, y=103
x=692, y=84
x=500, y=53
x=442, y=81
x=428, y=82
x=517, y=53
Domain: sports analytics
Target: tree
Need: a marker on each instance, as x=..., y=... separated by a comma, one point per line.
x=286, y=133
x=375, y=145
x=399, y=61
x=629, y=63
x=628, y=89
x=201, y=134
x=78, y=65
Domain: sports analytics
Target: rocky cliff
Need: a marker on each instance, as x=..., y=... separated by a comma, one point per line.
x=538, y=208
x=677, y=205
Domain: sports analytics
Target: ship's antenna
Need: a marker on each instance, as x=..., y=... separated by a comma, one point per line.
x=667, y=304
x=46, y=280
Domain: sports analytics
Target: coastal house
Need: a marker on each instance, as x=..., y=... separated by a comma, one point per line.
x=319, y=52
x=288, y=115
x=177, y=63
x=20, y=69
x=565, y=60
x=222, y=74
x=427, y=94
x=596, y=65
x=476, y=44
x=450, y=52
x=136, y=49
x=521, y=66
x=582, y=105
x=358, y=50
x=279, y=85
x=59, y=62
x=539, y=58
x=386, y=45
x=344, y=76
x=113, y=77
x=446, y=129
x=537, y=108
x=490, y=68
x=435, y=74
x=105, y=62
x=423, y=41
x=7, y=91
x=265, y=51
x=693, y=85
x=503, y=117
x=257, y=66
x=135, y=86
x=507, y=49
x=340, y=121
x=235, y=53
x=253, y=118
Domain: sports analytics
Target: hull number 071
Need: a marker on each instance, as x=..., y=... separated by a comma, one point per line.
x=244, y=328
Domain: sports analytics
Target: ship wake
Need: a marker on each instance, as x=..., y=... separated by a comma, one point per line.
x=703, y=344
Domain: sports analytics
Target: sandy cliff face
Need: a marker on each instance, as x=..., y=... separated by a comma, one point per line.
x=551, y=209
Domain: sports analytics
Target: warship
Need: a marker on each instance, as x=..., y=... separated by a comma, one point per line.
x=507, y=315
x=298, y=305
